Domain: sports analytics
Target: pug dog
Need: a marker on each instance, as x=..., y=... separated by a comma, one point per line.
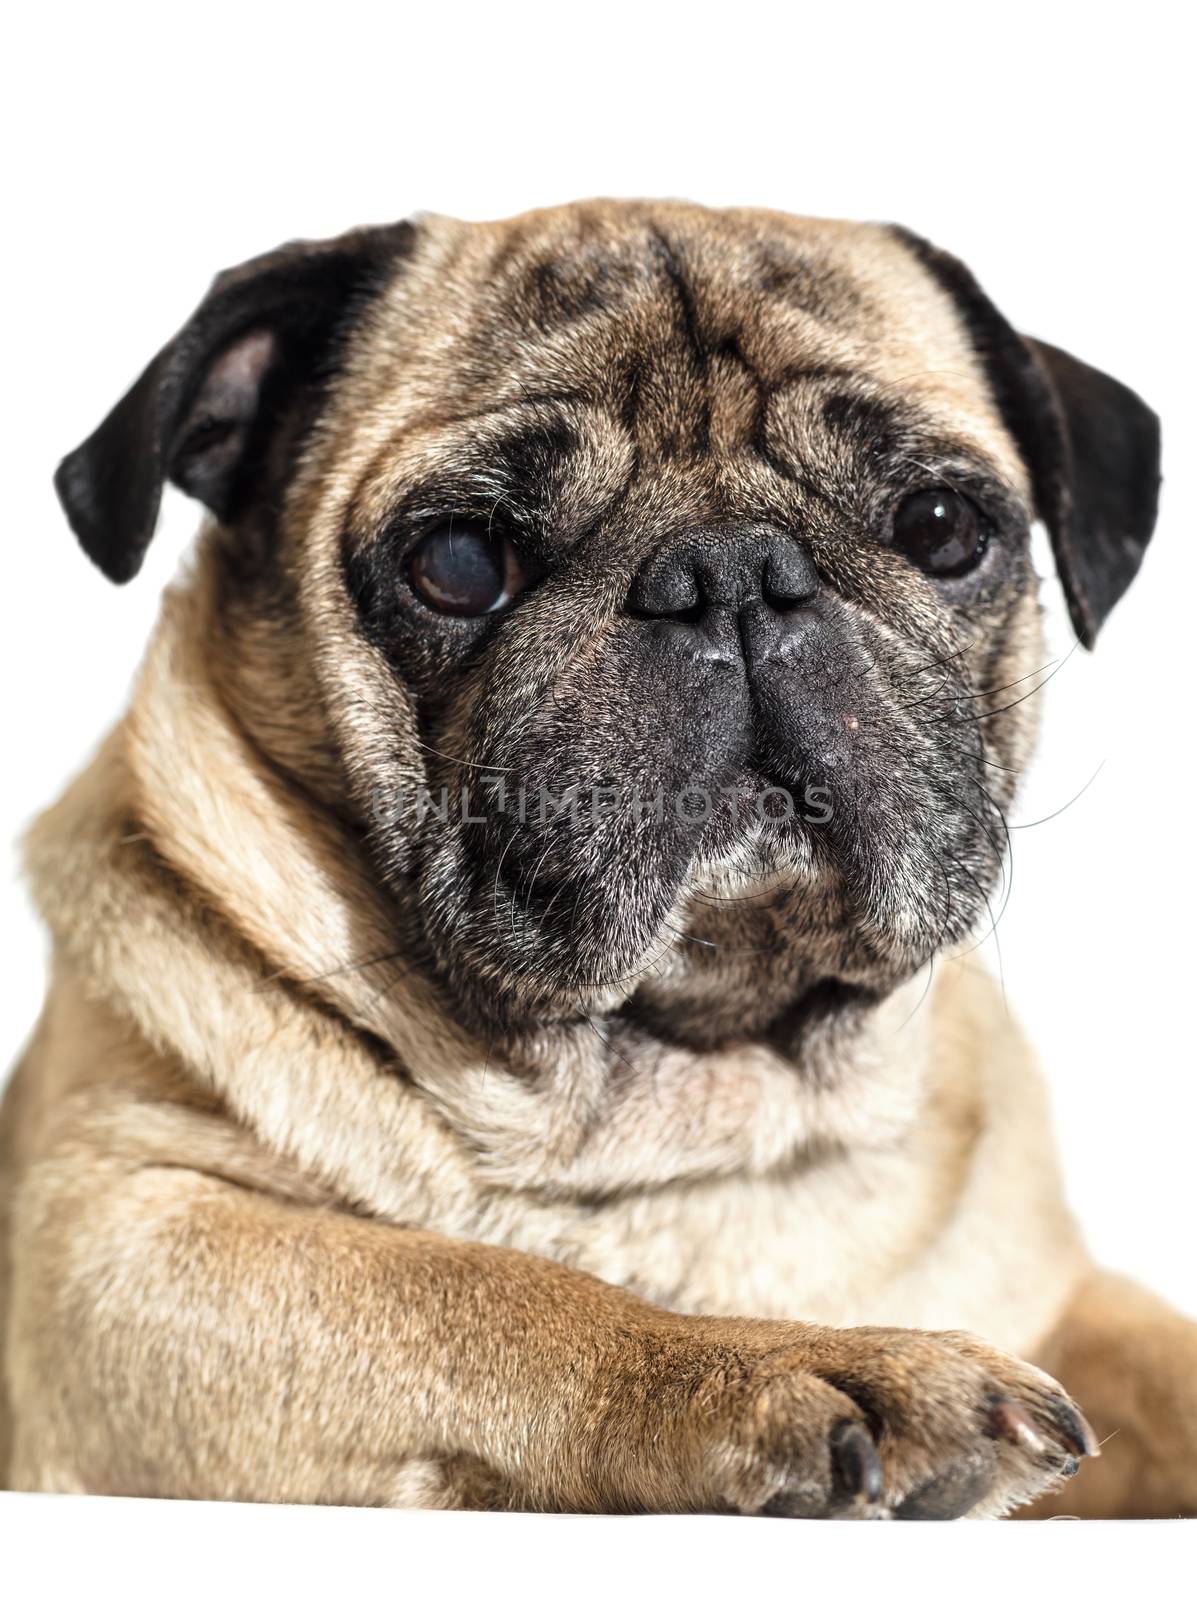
x=513, y=1038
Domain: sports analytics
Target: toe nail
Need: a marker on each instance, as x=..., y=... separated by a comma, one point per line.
x=1077, y=1431
x=1012, y=1423
x=856, y=1463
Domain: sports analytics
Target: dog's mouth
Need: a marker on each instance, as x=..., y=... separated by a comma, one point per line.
x=716, y=900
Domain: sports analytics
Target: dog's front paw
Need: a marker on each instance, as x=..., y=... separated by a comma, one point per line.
x=870, y=1422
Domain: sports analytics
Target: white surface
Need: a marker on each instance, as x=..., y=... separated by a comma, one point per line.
x=74, y=1546
x=1045, y=145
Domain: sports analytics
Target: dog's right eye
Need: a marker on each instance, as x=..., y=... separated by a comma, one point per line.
x=942, y=533
x=465, y=569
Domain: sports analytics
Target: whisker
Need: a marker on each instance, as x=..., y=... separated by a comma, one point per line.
x=997, y=944
x=443, y=755
x=999, y=710
x=1052, y=815
x=414, y=964
x=731, y=949
x=980, y=694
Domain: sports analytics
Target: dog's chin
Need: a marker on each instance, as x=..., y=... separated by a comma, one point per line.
x=826, y=883
x=770, y=934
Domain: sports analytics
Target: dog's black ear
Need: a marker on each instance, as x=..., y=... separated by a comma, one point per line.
x=203, y=411
x=1092, y=447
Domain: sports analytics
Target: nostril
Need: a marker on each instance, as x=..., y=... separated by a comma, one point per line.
x=658, y=612
x=786, y=605
x=789, y=579
x=663, y=589
x=691, y=615
x=648, y=607
x=785, y=602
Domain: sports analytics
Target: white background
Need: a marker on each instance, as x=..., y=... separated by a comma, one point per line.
x=1047, y=146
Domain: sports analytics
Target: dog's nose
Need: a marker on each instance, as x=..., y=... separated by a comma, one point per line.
x=726, y=595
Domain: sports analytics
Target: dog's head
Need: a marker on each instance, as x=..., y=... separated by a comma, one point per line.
x=652, y=582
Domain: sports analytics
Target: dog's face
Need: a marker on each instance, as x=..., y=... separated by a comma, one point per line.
x=663, y=579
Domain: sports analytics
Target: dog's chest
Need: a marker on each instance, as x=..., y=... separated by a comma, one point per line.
x=899, y=1237
x=902, y=1205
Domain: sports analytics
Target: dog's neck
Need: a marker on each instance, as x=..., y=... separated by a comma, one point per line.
x=587, y=1107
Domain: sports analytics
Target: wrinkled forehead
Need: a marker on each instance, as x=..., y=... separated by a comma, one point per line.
x=680, y=327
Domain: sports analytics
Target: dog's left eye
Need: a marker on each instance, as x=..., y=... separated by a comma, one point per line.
x=465, y=569
x=941, y=532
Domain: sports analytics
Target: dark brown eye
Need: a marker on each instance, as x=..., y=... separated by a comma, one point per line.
x=940, y=532
x=465, y=569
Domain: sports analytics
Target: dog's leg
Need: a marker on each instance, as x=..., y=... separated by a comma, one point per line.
x=176, y=1334
x=1131, y=1362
